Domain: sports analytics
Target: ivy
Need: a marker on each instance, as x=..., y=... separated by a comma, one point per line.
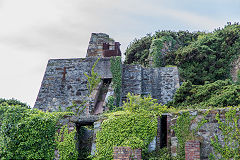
x=116, y=69
x=183, y=133
x=230, y=130
x=12, y=102
x=66, y=144
x=27, y=133
x=135, y=126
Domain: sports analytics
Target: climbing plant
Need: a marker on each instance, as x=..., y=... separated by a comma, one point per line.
x=27, y=133
x=135, y=126
x=93, y=79
x=183, y=132
x=230, y=130
x=116, y=69
x=66, y=144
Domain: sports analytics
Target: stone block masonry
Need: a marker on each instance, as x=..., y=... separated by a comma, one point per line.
x=192, y=150
x=161, y=83
x=206, y=132
x=64, y=82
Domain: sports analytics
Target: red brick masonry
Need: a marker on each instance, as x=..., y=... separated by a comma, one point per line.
x=126, y=153
x=192, y=150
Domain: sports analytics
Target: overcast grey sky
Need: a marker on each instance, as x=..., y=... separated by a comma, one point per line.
x=33, y=31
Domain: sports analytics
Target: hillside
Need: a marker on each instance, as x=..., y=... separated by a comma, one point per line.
x=199, y=56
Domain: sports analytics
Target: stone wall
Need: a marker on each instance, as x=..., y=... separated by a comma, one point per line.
x=95, y=47
x=205, y=133
x=161, y=83
x=64, y=82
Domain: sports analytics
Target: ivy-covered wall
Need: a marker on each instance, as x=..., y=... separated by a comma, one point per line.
x=213, y=128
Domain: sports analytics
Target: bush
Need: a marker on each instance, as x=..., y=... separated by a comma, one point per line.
x=12, y=102
x=199, y=56
x=26, y=133
x=135, y=126
x=218, y=94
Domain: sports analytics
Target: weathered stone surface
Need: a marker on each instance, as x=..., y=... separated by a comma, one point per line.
x=161, y=83
x=152, y=145
x=64, y=82
x=205, y=133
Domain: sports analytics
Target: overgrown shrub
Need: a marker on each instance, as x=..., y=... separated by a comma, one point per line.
x=135, y=126
x=199, y=56
x=138, y=50
x=217, y=94
x=26, y=133
x=12, y=102
x=209, y=58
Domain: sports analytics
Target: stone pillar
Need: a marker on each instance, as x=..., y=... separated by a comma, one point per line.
x=97, y=127
x=126, y=153
x=192, y=150
x=169, y=116
x=158, y=138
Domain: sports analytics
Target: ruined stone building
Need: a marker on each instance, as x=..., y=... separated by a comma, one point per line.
x=65, y=84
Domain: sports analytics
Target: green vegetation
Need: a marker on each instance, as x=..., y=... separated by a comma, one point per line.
x=217, y=94
x=66, y=144
x=199, y=56
x=26, y=133
x=116, y=69
x=135, y=126
x=93, y=79
x=162, y=154
x=231, y=137
x=183, y=133
x=138, y=50
x=157, y=49
x=12, y=102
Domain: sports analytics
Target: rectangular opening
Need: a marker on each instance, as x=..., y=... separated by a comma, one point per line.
x=163, y=131
x=98, y=108
x=84, y=139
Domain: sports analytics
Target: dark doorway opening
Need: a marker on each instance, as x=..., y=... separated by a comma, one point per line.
x=163, y=131
x=84, y=137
